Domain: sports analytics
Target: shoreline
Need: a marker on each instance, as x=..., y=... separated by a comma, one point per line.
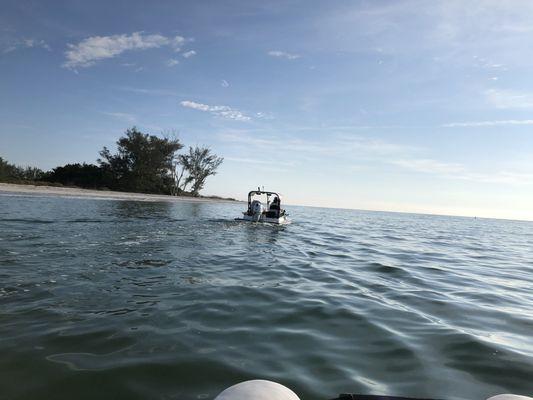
x=53, y=191
x=15, y=189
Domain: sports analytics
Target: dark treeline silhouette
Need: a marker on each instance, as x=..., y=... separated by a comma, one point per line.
x=83, y=175
x=142, y=163
x=13, y=173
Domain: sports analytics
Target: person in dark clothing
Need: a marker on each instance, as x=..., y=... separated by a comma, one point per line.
x=274, y=208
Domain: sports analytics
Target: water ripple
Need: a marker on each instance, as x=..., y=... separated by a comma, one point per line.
x=160, y=300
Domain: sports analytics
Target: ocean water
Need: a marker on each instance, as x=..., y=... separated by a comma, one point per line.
x=104, y=299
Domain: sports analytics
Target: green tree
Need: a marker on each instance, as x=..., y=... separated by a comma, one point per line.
x=180, y=174
x=143, y=163
x=7, y=170
x=32, y=174
x=83, y=175
x=200, y=163
x=14, y=173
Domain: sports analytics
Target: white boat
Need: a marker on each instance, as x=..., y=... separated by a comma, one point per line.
x=259, y=389
x=269, y=210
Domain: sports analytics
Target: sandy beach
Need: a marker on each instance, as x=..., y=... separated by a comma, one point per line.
x=14, y=189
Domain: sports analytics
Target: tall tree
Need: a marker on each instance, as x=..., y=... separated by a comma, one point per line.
x=143, y=162
x=201, y=163
x=181, y=174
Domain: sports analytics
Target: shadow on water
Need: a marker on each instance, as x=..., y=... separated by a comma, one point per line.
x=135, y=209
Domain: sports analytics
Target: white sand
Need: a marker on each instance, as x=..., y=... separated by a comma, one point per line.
x=13, y=189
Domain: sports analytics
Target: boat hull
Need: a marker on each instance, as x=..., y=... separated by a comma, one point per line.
x=283, y=220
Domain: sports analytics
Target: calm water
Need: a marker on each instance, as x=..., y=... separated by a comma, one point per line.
x=130, y=300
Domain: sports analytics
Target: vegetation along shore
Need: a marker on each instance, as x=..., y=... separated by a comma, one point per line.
x=143, y=163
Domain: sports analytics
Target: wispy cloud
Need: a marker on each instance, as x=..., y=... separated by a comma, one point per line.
x=487, y=64
x=225, y=112
x=189, y=54
x=283, y=54
x=344, y=148
x=429, y=166
x=152, y=92
x=263, y=115
x=497, y=32
x=26, y=44
x=270, y=165
x=509, y=99
x=503, y=177
x=259, y=161
x=129, y=118
x=336, y=145
x=489, y=123
x=456, y=171
x=172, y=62
x=96, y=48
x=238, y=137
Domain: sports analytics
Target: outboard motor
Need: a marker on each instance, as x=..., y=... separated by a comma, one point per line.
x=257, y=210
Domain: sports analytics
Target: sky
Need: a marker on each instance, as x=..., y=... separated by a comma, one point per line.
x=404, y=105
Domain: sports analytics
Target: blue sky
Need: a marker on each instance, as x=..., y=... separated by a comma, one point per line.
x=418, y=106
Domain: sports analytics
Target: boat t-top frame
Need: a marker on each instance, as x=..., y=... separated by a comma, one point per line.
x=259, y=192
x=270, y=212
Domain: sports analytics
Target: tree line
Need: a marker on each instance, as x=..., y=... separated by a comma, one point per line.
x=142, y=163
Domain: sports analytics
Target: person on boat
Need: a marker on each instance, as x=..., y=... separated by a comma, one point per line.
x=274, y=207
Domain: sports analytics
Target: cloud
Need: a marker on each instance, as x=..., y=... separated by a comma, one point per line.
x=238, y=137
x=262, y=115
x=96, y=48
x=509, y=99
x=283, y=54
x=152, y=92
x=489, y=123
x=29, y=43
x=457, y=171
x=270, y=165
x=485, y=63
x=429, y=166
x=26, y=44
x=260, y=161
x=130, y=118
x=172, y=62
x=344, y=148
x=337, y=145
x=219, y=111
x=499, y=32
x=189, y=54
